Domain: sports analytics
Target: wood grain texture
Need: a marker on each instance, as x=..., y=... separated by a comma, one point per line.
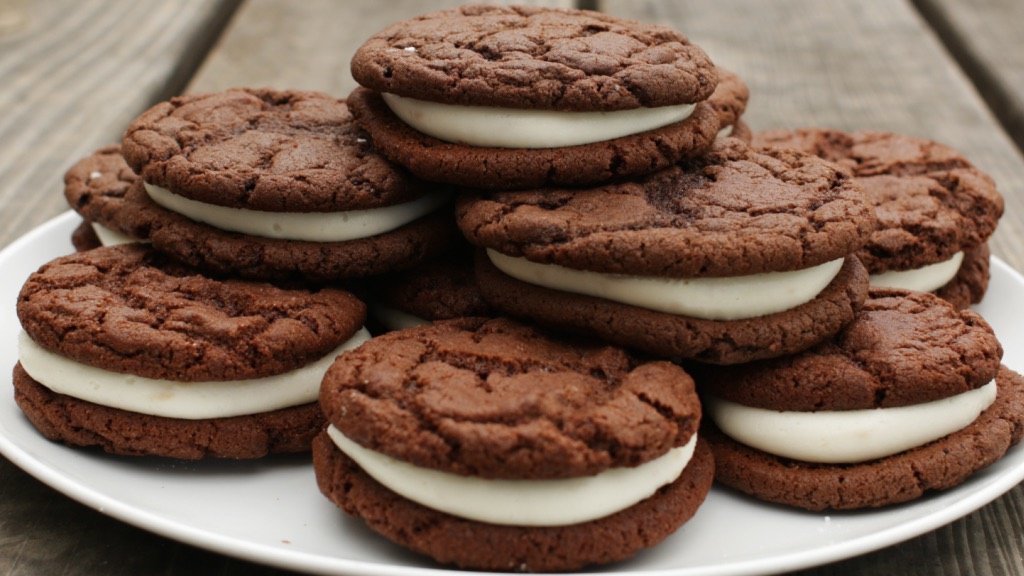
x=74, y=74
x=873, y=64
x=986, y=39
x=856, y=65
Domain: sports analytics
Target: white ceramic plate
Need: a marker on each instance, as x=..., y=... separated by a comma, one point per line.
x=271, y=511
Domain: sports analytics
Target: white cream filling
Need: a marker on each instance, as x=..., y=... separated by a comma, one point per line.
x=494, y=127
x=725, y=132
x=848, y=436
x=923, y=279
x=727, y=298
x=308, y=226
x=188, y=400
x=395, y=319
x=520, y=502
x=110, y=237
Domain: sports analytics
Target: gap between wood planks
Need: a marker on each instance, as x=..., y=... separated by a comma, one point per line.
x=992, y=91
x=206, y=40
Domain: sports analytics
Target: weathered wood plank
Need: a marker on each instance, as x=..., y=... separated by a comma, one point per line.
x=74, y=74
x=873, y=65
x=986, y=39
x=870, y=65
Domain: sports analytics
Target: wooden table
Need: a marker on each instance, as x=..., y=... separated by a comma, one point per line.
x=73, y=73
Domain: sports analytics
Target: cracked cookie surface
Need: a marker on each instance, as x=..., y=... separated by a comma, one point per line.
x=129, y=309
x=260, y=149
x=903, y=348
x=735, y=211
x=231, y=253
x=971, y=280
x=95, y=187
x=439, y=289
x=534, y=57
x=730, y=101
x=672, y=335
x=930, y=200
x=498, y=399
x=443, y=537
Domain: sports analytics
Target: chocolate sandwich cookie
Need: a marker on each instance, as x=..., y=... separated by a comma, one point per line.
x=730, y=101
x=439, y=289
x=95, y=187
x=269, y=184
x=503, y=97
x=84, y=237
x=908, y=399
x=128, y=351
x=544, y=454
x=935, y=209
x=731, y=257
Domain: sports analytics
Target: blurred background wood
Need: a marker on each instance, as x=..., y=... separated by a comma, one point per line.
x=985, y=38
x=74, y=74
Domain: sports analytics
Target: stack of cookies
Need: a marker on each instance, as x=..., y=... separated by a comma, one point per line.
x=574, y=199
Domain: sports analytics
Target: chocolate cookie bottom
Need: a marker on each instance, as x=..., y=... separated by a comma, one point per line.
x=77, y=422
x=971, y=281
x=712, y=341
x=475, y=545
x=939, y=465
x=223, y=252
x=83, y=237
x=521, y=168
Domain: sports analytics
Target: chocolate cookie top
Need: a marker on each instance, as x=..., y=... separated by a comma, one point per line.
x=533, y=57
x=95, y=188
x=129, y=309
x=903, y=348
x=729, y=98
x=264, y=150
x=99, y=179
x=502, y=400
x=931, y=202
x=732, y=212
